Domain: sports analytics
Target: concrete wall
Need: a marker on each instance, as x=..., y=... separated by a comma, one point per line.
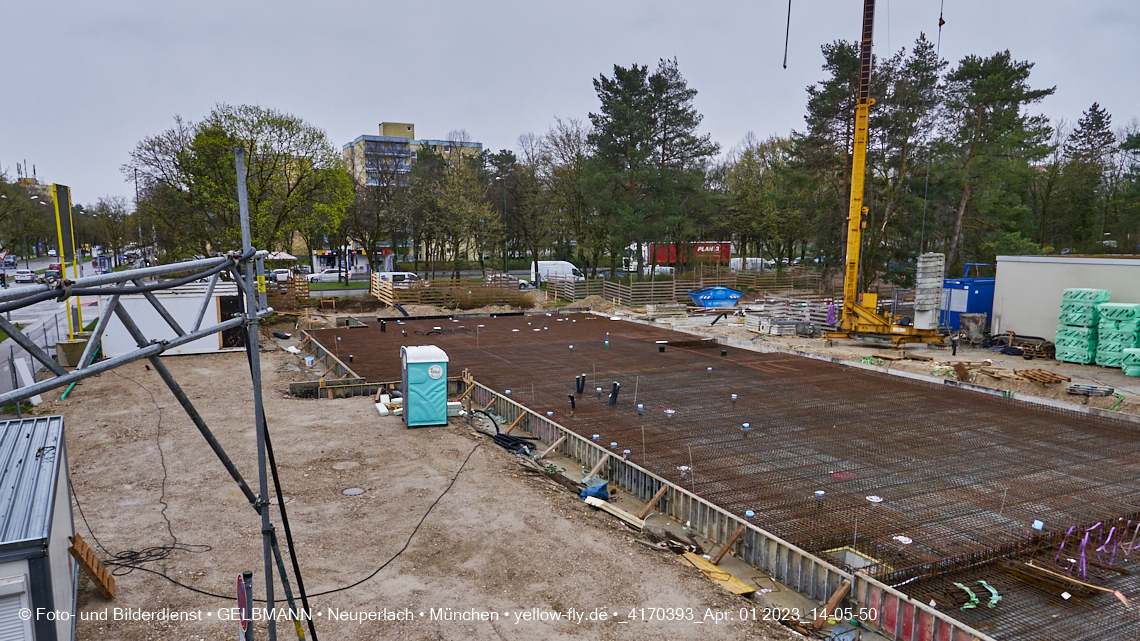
x=1028, y=289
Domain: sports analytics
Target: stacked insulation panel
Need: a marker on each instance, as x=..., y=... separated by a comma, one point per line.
x=1077, y=324
x=1118, y=330
x=1130, y=361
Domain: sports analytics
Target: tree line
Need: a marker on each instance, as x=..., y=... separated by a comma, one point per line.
x=959, y=161
x=28, y=219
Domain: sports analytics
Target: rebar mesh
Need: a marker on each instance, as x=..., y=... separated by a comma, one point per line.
x=961, y=475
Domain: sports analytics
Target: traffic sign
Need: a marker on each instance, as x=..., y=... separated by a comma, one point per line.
x=243, y=607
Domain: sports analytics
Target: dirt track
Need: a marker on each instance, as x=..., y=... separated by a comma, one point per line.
x=499, y=541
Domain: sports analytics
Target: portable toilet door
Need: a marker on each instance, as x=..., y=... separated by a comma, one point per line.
x=425, y=385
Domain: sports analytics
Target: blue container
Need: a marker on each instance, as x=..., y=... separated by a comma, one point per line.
x=715, y=297
x=966, y=296
x=425, y=385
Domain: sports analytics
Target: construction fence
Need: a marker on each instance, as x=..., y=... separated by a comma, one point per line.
x=289, y=294
x=466, y=292
x=639, y=294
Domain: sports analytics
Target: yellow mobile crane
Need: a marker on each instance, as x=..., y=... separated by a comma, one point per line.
x=860, y=316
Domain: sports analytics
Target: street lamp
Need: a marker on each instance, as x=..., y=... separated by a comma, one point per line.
x=503, y=187
x=5, y=197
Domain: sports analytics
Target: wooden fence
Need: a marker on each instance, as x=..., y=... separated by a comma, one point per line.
x=444, y=291
x=288, y=294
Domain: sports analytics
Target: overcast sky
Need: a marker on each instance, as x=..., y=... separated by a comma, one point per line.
x=85, y=81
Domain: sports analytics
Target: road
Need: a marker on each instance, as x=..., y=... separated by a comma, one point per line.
x=45, y=323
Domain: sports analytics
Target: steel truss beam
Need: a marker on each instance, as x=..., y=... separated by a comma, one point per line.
x=248, y=270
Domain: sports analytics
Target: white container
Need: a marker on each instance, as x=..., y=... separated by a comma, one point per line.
x=309, y=360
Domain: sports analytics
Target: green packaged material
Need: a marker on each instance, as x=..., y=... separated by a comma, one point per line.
x=1083, y=319
x=1118, y=311
x=1131, y=356
x=1121, y=326
x=1070, y=331
x=1077, y=308
x=1083, y=295
x=1075, y=356
x=1114, y=346
x=1128, y=338
x=1130, y=361
x=1109, y=358
x=1080, y=344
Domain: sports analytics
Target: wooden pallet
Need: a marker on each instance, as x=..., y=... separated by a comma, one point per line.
x=997, y=372
x=1043, y=376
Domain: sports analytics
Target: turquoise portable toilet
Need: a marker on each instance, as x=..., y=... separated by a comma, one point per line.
x=425, y=385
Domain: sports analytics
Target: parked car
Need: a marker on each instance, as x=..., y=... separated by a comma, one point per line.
x=402, y=280
x=52, y=253
x=11, y=261
x=328, y=275
x=25, y=276
x=506, y=279
x=281, y=275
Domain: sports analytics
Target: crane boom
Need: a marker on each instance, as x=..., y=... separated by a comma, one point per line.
x=861, y=316
x=856, y=211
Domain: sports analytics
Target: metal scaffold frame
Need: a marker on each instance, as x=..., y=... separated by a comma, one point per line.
x=247, y=268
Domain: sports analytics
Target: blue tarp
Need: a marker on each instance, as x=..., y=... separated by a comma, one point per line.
x=601, y=492
x=715, y=297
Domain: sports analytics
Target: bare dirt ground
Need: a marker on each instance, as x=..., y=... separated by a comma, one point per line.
x=498, y=542
x=1127, y=386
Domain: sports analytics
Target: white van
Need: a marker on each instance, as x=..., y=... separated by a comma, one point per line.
x=541, y=270
x=401, y=280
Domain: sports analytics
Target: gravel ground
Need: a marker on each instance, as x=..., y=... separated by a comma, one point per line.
x=500, y=541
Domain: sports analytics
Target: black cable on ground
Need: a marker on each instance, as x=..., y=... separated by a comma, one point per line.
x=414, y=530
x=334, y=590
x=127, y=561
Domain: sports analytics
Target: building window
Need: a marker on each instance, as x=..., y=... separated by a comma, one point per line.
x=447, y=148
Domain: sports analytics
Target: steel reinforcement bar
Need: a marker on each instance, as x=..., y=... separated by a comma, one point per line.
x=885, y=609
